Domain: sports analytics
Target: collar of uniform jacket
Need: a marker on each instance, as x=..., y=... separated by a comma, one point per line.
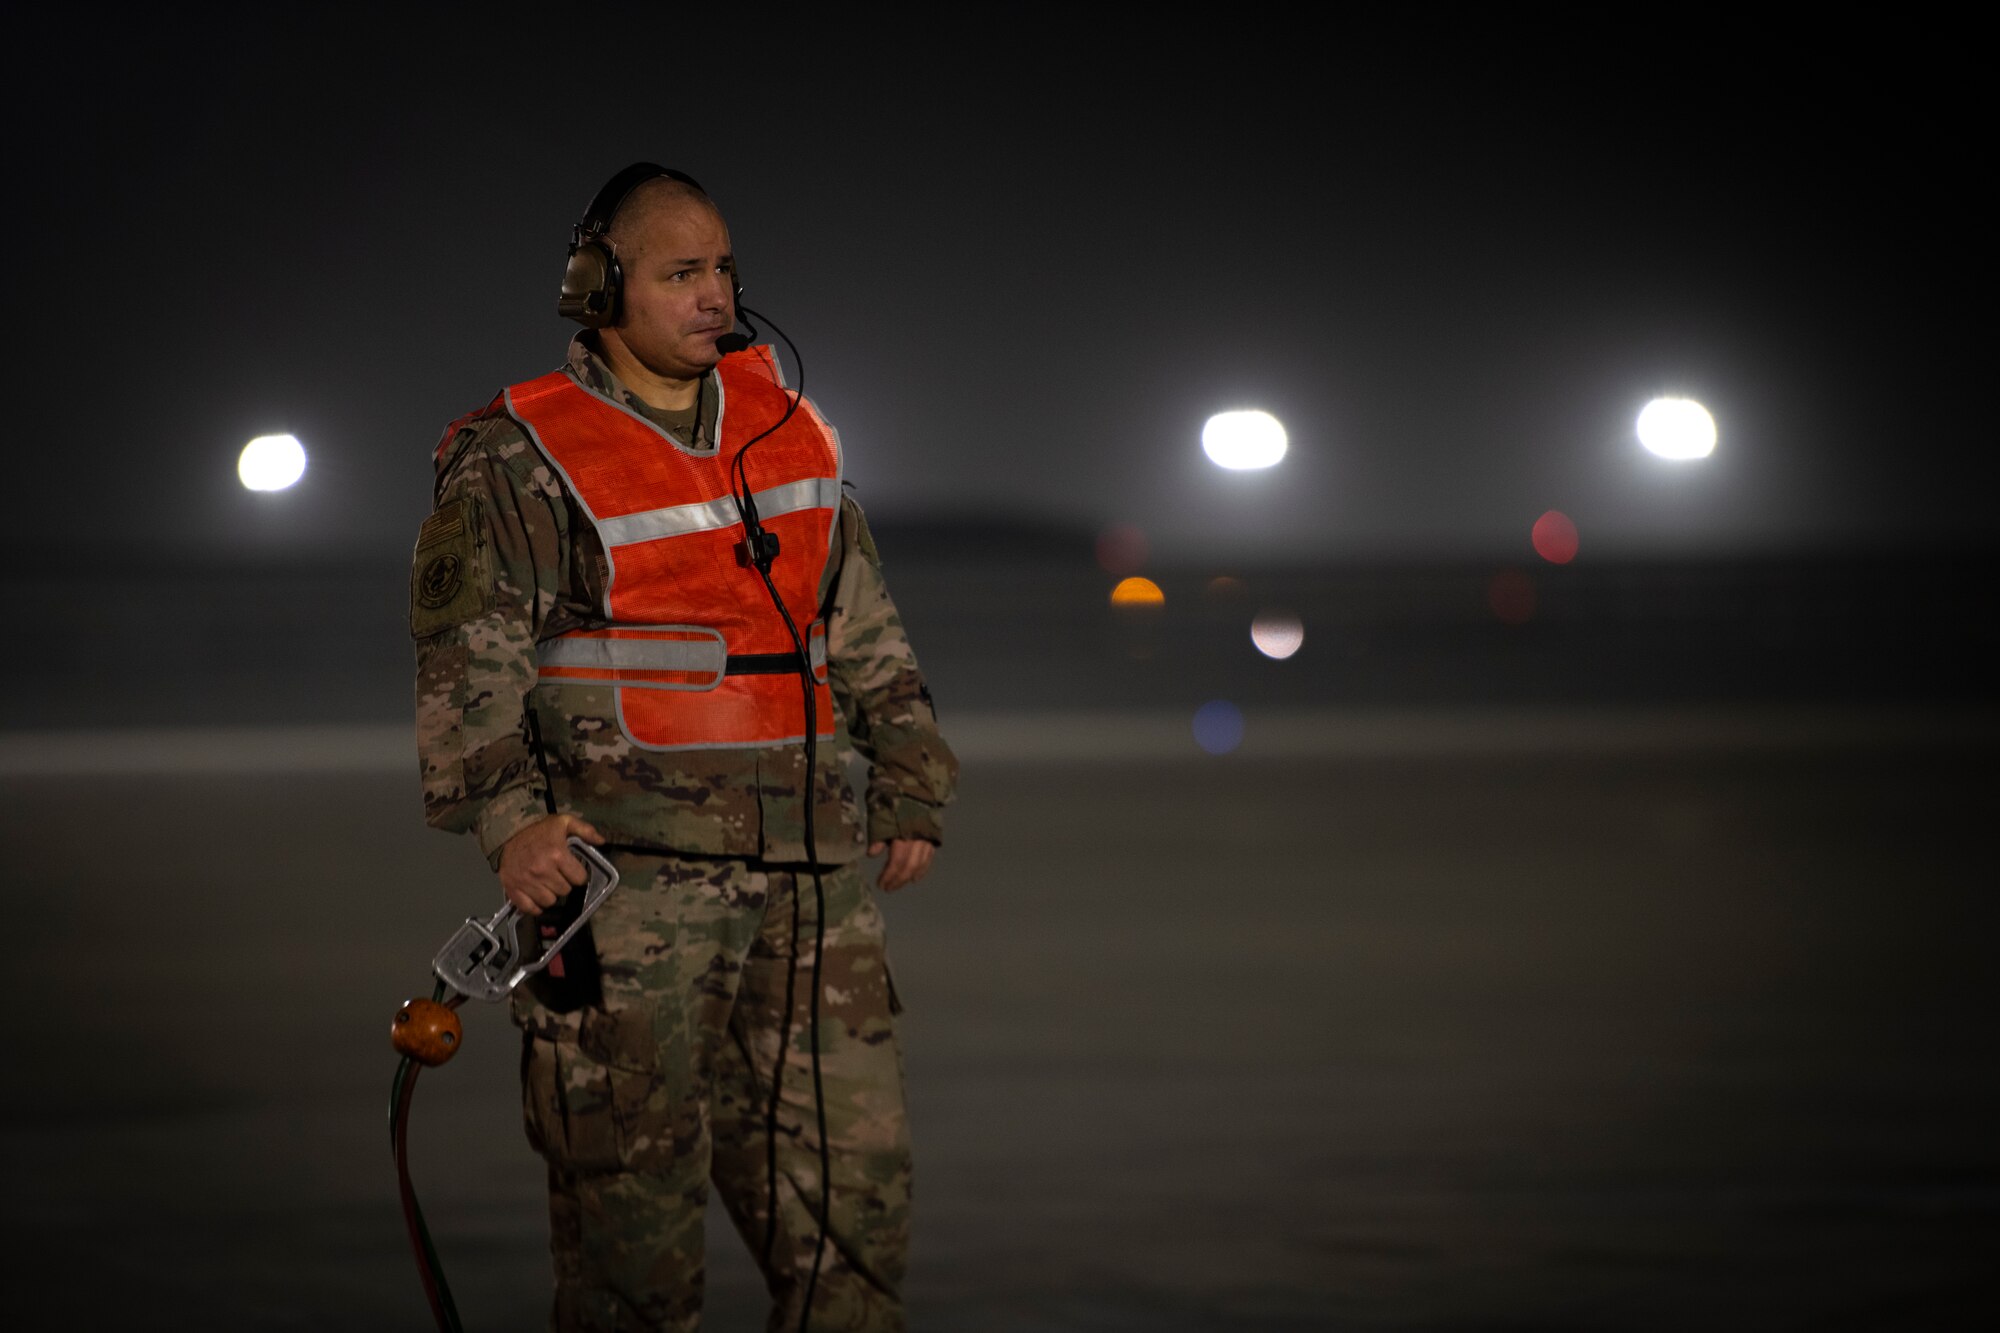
x=594, y=373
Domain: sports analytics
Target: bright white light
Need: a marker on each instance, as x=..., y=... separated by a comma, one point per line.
x=271, y=463
x=1677, y=428
x=1242, y=440
x=1277, y=634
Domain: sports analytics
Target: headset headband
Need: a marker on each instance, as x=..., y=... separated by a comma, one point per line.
x=592, y=279
x=604, y=205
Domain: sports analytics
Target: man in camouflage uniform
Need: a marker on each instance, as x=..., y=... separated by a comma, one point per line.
x=637, y=1101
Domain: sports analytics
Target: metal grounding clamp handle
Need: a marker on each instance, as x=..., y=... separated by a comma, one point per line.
x=481, y=961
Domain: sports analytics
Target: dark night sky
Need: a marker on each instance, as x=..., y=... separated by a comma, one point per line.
x=1024, y=267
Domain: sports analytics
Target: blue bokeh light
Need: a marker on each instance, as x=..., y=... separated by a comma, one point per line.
x=1218, y=726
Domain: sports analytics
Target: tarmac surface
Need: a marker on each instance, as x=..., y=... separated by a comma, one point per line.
x=1618, y=1036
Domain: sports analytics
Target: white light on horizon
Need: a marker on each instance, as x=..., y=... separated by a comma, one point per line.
x=1277, y=634
x=271, y=463
x=1241, y=441
x=1678, y=429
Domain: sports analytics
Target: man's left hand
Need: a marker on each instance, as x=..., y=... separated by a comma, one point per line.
x=909, y=859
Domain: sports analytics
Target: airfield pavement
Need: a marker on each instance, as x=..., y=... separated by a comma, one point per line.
x=1451, y=1024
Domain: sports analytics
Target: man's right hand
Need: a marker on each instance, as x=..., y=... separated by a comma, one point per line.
x=537, y=866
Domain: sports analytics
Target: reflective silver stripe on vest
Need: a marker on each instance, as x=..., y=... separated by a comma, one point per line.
x=675, y=520
x=706, y=655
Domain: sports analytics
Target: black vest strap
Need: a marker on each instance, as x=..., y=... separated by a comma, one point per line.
x=764, y=664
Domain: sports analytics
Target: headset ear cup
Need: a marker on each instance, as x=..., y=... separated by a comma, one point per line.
x=590, y=286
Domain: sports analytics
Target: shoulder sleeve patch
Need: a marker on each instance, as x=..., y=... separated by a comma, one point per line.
x=449, y=583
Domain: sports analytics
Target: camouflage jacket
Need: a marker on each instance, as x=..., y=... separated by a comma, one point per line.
x=507, y=558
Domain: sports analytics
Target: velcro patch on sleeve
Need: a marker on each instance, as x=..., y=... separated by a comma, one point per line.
x=449, y=582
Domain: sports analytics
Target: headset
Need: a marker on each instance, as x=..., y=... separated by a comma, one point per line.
x=592, y=280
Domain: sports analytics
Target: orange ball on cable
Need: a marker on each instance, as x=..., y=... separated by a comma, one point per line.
x=426, y=1031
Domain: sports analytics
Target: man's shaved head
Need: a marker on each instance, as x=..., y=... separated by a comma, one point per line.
x=677, y=295
x=648, y=201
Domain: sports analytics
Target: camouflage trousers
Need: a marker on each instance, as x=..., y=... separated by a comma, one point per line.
x=639, y=1103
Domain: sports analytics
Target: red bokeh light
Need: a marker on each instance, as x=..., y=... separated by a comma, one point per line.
x=1121, y=550
x=1555, y=537
x=1511, y=594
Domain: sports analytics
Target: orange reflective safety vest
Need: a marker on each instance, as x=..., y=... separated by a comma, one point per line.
x=699, y=656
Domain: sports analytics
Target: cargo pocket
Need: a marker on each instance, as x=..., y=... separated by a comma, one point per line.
x=592, y=1093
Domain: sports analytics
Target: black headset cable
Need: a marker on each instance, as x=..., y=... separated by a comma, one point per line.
x=760, y=559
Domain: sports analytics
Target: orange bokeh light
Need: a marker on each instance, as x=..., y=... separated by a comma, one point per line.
x=1555, y=537
x=1137, y=592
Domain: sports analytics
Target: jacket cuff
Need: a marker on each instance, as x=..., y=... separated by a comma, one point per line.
x=893, y=815
x=504, y=816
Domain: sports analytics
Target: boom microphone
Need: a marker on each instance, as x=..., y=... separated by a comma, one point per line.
x=733, y=341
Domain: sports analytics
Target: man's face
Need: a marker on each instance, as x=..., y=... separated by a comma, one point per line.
x=679, y=291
